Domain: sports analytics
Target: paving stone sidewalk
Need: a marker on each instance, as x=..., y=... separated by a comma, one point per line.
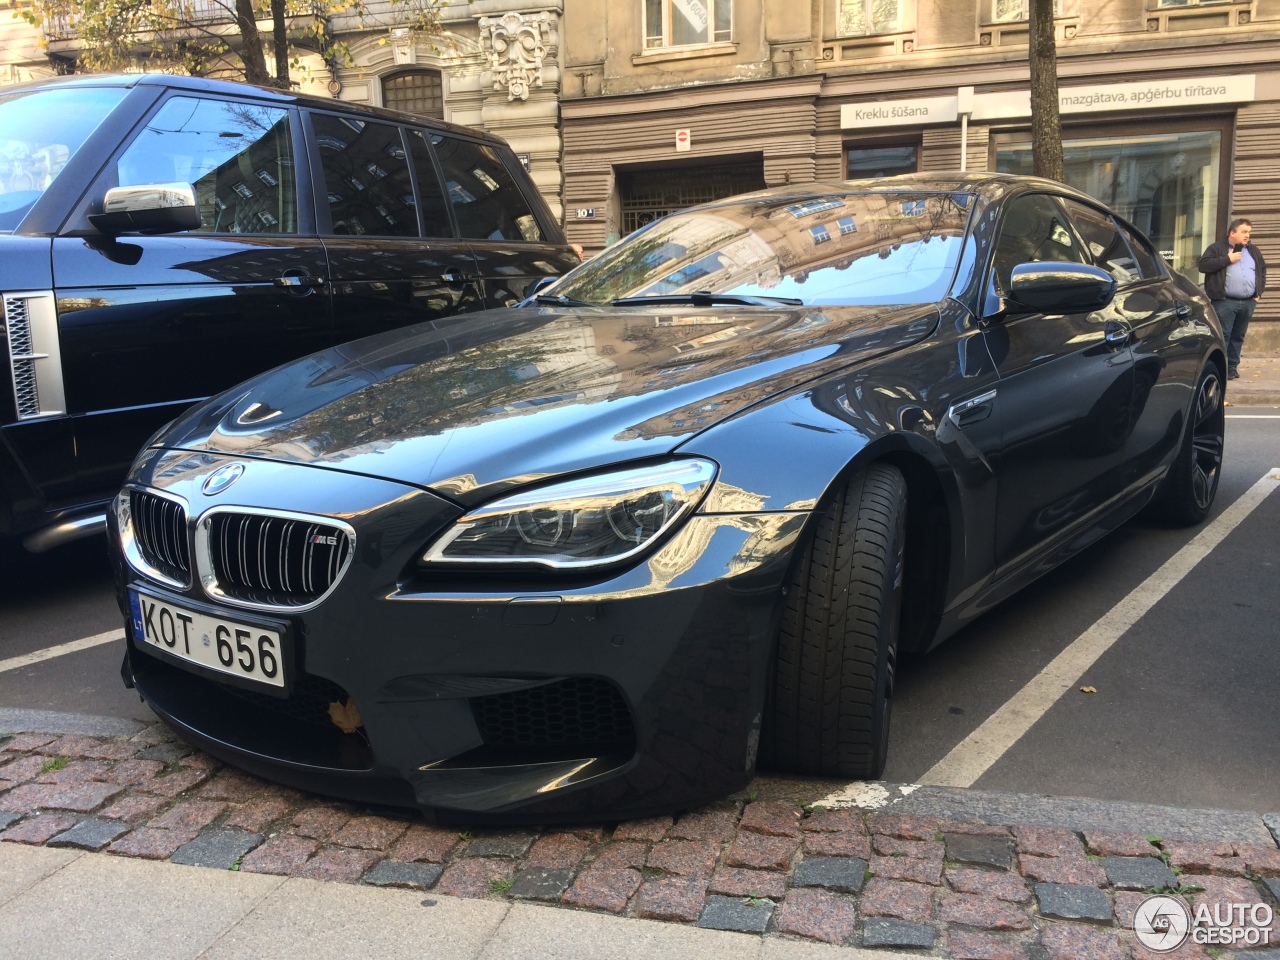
x=964, y=889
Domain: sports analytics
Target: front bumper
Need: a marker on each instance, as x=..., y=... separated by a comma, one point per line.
x=550, y=701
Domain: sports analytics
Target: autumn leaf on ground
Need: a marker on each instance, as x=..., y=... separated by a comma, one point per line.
x=346, y=716
x=1082, y=690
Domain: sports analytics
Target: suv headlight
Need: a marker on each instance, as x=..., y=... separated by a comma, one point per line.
x=585, y=522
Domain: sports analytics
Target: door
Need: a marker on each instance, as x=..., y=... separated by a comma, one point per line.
x=510, y=247
x=393, y=256
x=151, y=324
x=1064, y=394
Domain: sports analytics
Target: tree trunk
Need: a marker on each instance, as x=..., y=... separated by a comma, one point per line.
x=1046, y=124
x=280, y=31
x=255, y=63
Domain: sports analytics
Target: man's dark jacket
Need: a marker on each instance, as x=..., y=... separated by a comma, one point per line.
x=1213, y=264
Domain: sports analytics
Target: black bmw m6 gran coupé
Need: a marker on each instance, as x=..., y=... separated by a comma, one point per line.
x=680, y=514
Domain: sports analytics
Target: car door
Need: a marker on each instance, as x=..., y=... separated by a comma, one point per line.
x=511, y=245
x=151, y=324
x=1064, y=394
x=393, y=257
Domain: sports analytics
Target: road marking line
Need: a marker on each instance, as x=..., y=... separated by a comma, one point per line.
x=1253, y=416
x=976, y=753
x=62, y=649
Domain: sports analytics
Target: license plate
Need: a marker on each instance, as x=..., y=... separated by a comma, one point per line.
x=238, y=649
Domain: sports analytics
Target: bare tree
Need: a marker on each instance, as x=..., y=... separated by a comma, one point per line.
x=1046, y=122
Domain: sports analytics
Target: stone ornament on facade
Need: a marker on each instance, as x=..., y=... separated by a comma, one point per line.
x=516, y=44
x=402, y=46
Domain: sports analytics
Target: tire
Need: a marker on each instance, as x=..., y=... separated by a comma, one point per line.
x=832, y=688
x=1192, y=482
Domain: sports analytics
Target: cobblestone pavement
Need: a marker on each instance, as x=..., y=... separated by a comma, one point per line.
x=966, y=889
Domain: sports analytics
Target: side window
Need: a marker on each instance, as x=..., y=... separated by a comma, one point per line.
x=1033, y=229
x=366, y=177
x=1107, y=247
x=486, y=199
x=435, y=215
x=1148, y=262
x=238, y=156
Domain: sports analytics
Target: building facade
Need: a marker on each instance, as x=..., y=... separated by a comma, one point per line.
x=1170, y=108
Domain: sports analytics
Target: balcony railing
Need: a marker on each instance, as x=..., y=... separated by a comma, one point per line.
x=195, y=12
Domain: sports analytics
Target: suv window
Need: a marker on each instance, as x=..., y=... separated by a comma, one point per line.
x=435, y=215
x=366, y=175
x=485, y=197
x=40, y=130
x=1034, y=229
x=238, y=156
x=1107, y=247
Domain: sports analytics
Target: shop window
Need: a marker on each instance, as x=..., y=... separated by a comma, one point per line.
x=420, y=92
x=860, y=18
x=881, y=160
x=675, y=23
x=1165, y=184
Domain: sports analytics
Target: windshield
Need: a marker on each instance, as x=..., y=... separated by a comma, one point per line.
x=868, y=248
x=40, y=130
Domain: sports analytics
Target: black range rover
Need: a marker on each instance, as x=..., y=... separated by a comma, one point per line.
x=163, y=238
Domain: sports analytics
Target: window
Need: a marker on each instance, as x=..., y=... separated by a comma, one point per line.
x=1033, y=230
x=1104, y=242
x=1186, y=3
x=1165, y=183
x=1013, y=11
x=419, y=91
x=887, y=160
x=857, y=18
x=238, y=156
x=1150, y=264
x=366, y=176
x=486, y=199
x=674, y=23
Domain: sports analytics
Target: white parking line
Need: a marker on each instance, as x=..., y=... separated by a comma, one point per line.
x=62, y=649
x=975, y=754
x=1253, y=416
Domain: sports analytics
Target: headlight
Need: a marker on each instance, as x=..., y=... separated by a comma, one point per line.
x=585, y=522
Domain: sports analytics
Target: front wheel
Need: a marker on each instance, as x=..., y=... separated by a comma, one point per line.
x=1192, y=482
x=829, y=704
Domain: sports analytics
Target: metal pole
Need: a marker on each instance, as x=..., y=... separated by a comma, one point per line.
x=964, y=142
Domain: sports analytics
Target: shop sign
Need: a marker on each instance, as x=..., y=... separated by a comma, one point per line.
x=898, y=113
x=1143, y=95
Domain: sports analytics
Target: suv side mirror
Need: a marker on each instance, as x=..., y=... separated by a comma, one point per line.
x=148, y=208
x=1056, y=287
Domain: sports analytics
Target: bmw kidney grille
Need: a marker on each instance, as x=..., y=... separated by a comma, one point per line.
x=275, y=560
x=160, y=526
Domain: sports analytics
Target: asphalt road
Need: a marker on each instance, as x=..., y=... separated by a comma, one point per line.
x=1185, y=710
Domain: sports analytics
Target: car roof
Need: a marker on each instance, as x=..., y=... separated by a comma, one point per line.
x=988, y=185
x=235, y=89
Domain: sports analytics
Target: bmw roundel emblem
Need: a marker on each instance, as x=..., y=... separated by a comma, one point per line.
x=222, y=478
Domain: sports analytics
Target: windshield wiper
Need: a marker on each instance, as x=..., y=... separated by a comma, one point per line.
x=560, y=300
x=705, y=298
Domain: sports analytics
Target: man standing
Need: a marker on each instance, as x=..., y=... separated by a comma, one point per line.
x=1234, y=277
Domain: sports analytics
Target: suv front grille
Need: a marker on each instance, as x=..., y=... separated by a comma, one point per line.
x=577, y=711
x=160, y=527
x=275, y=560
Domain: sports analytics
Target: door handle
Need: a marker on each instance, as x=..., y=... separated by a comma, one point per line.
x=456, y=277
x=972, y=410
x=304, y=282
x=1117, y=334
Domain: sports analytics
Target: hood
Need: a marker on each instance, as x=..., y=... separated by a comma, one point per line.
x=472, y=405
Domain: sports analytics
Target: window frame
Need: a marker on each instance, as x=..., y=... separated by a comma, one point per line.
x=106, y=175
x=665, y=40
x=905, y=21
x=519, y=177
x=409, y=72
x=879, y=143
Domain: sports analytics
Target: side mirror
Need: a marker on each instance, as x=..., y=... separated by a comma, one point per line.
x=148, y=208
x=537, y=286
x=1054, y=287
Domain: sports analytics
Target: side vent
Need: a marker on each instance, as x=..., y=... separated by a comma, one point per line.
x=35, y=355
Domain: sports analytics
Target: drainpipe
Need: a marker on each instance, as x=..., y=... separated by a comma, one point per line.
x=964, y=107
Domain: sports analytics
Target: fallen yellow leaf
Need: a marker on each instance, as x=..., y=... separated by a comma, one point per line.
x=346, y=716
x=1082, y=690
